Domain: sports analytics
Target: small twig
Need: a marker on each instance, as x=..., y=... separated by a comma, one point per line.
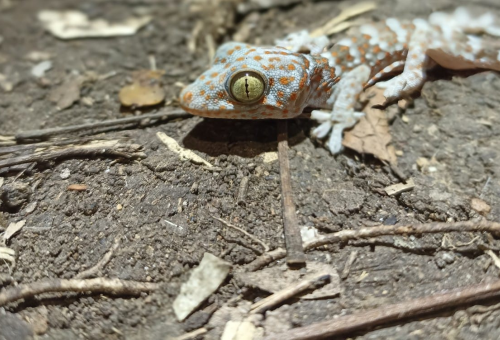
x=494, y=257
x=348, y=264
x=387, y=314
x=293, y=240
x=99, y=285
x=265, y=246
x=242, y=191
x=95, y=270
x=107, y=147
x=47, y=133
x=191, y=335
x=283, y=295
x=346, y=235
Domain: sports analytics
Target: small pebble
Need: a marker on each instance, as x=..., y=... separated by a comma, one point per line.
x=65, y=173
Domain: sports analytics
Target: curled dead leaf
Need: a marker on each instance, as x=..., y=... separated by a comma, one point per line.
x=371, y=135
x=145, y=90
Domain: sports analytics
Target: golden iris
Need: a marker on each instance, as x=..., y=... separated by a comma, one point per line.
x=247, y=86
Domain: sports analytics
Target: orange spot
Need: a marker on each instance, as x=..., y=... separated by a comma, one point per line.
x=212, y=87
x=280, y=94
x=207, y=97
x=233, y=69
x=213, y=75
x=220, y=95
x=250, y=51
x=274, y=59
x=257, y=58
x=286, y=80
x=349, y=57
x=302, y=82
x=208, y=82
x=222, y=107
x=240, y=59
x=293, y=96
x=244, y=66
x=295, y=61
x=202, y=92
x=237, y=48
x=267, y=52
x=284, y=53
x=230, y=52
x=366, y=36
x=334, y=54
x=376, y=49
x=281, y=67
x=188, y=97
x=291, y=67
x=306, y=63
x=223, y=61
x=264, y=100
x=271, y=67
x=279, y=104
x=227, y=65
x=202, y=77
x=344, y=48
x=271, y=82
x=354, y=39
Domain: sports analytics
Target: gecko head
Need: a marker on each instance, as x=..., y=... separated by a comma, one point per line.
x=247, y=82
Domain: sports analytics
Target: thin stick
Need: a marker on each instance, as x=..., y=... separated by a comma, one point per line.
x=346, y=235
x=242, y=191
x=283, y=295
x=94, y=271
x=109, y=147
x=295, y=253
x=191, y=335
x=265, y=246
x=386, y=314
x=47, y=133
x=99, y=285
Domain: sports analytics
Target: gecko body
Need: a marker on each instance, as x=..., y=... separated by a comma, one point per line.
x=252, y=82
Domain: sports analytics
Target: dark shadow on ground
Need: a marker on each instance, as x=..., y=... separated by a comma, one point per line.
x=245, y=138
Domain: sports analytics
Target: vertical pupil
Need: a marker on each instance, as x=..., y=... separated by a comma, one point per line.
x=246, y=87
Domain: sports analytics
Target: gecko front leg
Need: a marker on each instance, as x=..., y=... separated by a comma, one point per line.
x=343, y=115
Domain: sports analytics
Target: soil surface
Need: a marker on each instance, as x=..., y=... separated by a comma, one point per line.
x=160, y=208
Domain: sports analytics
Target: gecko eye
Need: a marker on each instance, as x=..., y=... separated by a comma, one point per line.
x=247, y=86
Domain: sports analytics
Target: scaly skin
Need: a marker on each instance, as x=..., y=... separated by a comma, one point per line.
x=333, y=79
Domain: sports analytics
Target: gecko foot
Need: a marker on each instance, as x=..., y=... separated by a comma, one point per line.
x=335, y=123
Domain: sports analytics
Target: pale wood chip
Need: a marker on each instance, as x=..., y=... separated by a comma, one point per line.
x=12, y=229
x=173, y=146
x=398, y=188
x=77, y=187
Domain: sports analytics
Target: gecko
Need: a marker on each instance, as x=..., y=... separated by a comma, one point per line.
x=258, y=82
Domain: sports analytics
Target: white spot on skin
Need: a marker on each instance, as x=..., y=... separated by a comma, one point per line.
x=396, y=27
x=345, y=42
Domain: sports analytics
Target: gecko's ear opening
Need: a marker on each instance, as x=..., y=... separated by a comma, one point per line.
x=247, y=86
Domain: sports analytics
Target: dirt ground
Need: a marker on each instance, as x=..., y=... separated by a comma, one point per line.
x=160, y=208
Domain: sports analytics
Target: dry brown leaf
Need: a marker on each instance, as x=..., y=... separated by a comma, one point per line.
x=371, y=135
x=67, y=93
x=145, y=90
x=480, y=206
x=75, y=24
